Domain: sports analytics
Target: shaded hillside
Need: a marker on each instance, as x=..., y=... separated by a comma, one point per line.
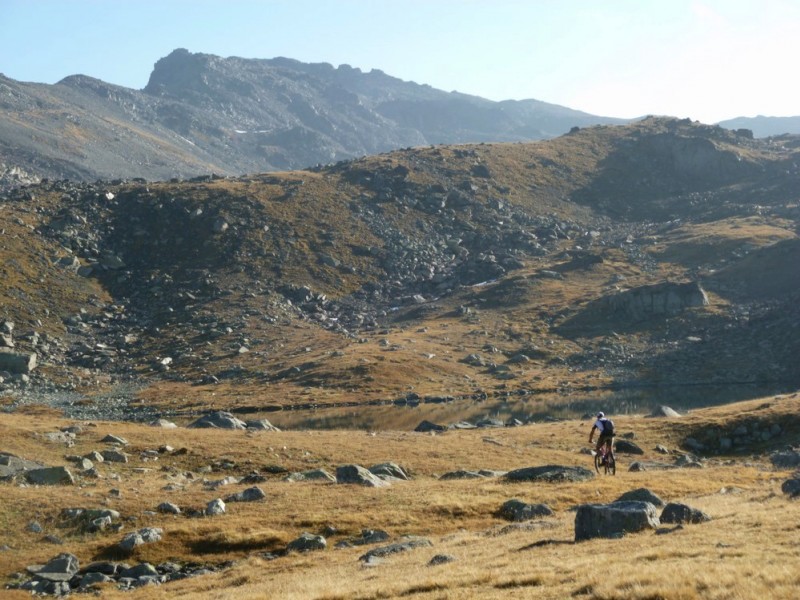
x=202, y=114
x=467, y=271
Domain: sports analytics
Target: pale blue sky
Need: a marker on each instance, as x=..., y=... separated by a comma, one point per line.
x=705, y=59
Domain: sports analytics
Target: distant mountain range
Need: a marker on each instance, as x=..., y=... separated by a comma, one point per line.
x=200, y=113
x=764, y=126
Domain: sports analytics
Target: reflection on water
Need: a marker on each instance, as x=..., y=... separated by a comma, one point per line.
x=527, y=408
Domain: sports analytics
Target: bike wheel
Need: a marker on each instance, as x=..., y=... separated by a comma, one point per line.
x=611, y=466
x=598, y=462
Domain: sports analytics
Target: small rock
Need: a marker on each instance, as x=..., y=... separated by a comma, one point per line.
x=441, y=559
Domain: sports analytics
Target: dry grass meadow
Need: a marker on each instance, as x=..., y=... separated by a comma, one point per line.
x=748, y=550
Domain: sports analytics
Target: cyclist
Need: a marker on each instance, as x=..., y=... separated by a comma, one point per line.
x=605, y=428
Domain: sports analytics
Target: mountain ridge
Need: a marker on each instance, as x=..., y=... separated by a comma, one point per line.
x=202, y=114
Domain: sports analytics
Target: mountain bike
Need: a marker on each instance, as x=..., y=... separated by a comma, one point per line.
x=605, y=460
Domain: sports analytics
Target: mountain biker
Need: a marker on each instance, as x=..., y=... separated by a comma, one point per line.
x=605, y=428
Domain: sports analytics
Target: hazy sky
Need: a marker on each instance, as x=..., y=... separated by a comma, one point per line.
x=709, y=60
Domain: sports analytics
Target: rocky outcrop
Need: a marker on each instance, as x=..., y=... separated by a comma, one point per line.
x=663, y=299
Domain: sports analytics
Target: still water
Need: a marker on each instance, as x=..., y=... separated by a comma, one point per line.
x=525, y=408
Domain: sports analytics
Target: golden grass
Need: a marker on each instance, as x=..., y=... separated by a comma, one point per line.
x=746, y=551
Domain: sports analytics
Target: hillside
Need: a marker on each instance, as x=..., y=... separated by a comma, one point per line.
x=658, y=253
x=449, y=521
x=201, y=114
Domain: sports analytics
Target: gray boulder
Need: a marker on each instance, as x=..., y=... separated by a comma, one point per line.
x=641, y=495
x=114, y=456
x=681, y=513
x=59, y=568
x=312, y=475
x=614, y=520
x=358, y=475
x=307, y=542
x=427, y=426
x=17, y=363
x=627, y=447
x=147, y=535
x=168, y=508
x=389, y=470
x=164, y=424
x=50, y=476
x=517, y=510
x=251, y=494
x=11, y=465
x=791, y=487
x=218, y=420
x=785, y=460
x=404, y=546
x=550, y=473
x=215, y=507
x=114, y=439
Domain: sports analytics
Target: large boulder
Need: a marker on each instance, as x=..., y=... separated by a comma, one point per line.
x=251, y=494
x=517, y=510
x=19, y=363
x=215, y=507
x=614, y=520
x=788, y=459
x=11, y=465
x=218, y=420
x=627, y=447
x=307, y=542
x=661, y=299
x=641, y=495
x=681, y=513
x=312, y=475
x=146, y=535
x=791, y=487
x=50, y=476
x=359, y=475
x=60, y=568
x=550, y=473
x=389, y=471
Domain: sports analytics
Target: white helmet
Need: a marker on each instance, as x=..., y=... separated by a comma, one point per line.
x=601, y=414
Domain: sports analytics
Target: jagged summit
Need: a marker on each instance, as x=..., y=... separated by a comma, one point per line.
x=201, y=114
